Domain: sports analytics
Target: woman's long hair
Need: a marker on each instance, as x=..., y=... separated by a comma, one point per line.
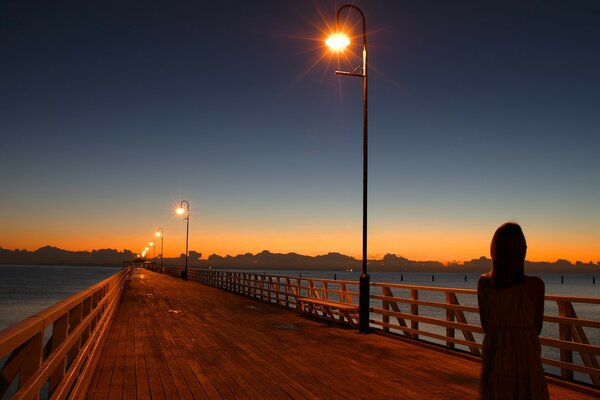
x=508, y=250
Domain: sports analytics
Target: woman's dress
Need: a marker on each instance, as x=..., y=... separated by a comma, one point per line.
x=512, y=368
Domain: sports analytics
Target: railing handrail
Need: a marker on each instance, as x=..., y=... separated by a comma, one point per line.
x=64, y=359
x=30, y=326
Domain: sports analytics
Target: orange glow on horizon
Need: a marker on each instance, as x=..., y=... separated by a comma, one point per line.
x=415, y=245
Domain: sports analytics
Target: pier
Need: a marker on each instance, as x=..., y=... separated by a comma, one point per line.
x=147, y=335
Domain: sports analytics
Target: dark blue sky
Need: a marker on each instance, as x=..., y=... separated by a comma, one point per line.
x=479, y=113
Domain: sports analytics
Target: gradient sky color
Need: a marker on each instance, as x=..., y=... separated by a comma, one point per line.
x=114, y=111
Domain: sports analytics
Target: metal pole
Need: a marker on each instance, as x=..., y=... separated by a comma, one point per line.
x=364, y=282
x=161, y=250
x=364, y=277
x=187, y=232
x=187, y=235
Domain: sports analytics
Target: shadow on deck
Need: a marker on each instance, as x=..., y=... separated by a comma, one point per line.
x=175, y=339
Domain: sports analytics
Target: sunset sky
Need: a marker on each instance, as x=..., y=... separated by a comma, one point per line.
x=112, y=112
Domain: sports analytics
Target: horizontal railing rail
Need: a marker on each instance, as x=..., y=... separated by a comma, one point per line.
x=54, y=353
x=445, y=316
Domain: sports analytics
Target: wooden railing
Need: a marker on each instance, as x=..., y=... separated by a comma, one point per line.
x=53, y=354
x=446, y=316
x=283, y=291
x=411, y=311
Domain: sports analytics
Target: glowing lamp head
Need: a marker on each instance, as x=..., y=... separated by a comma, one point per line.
x=158, y=234
x=146, y=249
x=180, y=211
x=337, y=41
x=150, y=244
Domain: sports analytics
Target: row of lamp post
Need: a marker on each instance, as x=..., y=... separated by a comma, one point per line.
x=337, y=42
x=184, y=211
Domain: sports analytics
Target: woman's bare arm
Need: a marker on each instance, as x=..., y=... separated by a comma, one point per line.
x=535, y=291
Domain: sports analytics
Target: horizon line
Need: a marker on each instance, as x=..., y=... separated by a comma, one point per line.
x=369, y=258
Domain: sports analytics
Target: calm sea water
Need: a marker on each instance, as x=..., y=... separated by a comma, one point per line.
x=25, y=290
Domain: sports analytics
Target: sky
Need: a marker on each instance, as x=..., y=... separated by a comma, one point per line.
x=112, y=112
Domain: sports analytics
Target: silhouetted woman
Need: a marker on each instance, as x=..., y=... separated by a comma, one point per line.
x=511, y=307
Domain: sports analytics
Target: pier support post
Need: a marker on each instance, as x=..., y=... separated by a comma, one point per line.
x=363, y=303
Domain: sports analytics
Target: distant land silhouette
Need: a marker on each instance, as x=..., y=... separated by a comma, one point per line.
x=49, y=255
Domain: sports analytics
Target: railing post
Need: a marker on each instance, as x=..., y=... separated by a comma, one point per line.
x=59, y=334
x=32, y=362
x=386, y=307
x=564, y=331
x=74, y=320
x=414, y=310
x=287, y=290
x=344, y=298
x=449, y=318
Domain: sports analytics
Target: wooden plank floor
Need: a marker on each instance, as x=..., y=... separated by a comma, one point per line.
x=174, y=339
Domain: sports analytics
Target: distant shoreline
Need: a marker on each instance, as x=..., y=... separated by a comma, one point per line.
x=266, y=260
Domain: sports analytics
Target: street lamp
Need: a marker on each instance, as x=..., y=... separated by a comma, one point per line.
x=159, y=233
x=338, y=42
x=185, y=211
x=151, y=244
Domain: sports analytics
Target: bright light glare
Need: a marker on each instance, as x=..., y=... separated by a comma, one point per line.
x=146, y=249
x=158, y=234
x=337, y=41
x=180, y=211
x=150, y=244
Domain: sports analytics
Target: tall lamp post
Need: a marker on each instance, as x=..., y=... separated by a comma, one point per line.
x=159, y=234
x=338, y=42
x=185, y=211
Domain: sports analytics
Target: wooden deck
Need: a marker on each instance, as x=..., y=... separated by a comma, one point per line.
x=178, y=339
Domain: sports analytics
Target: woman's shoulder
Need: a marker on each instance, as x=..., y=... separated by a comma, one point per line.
x=534, y=281
x=535, y=284
x=484, y=280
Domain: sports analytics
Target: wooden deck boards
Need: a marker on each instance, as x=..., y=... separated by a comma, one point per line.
x=174, y=339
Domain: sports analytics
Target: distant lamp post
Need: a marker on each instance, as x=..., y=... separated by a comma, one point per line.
x=159, y=234
x=338, y=42
x=185, y=211
x=151, y=244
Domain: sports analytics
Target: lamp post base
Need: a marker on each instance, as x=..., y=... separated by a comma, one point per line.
x=363, y=303
x=184, y=275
